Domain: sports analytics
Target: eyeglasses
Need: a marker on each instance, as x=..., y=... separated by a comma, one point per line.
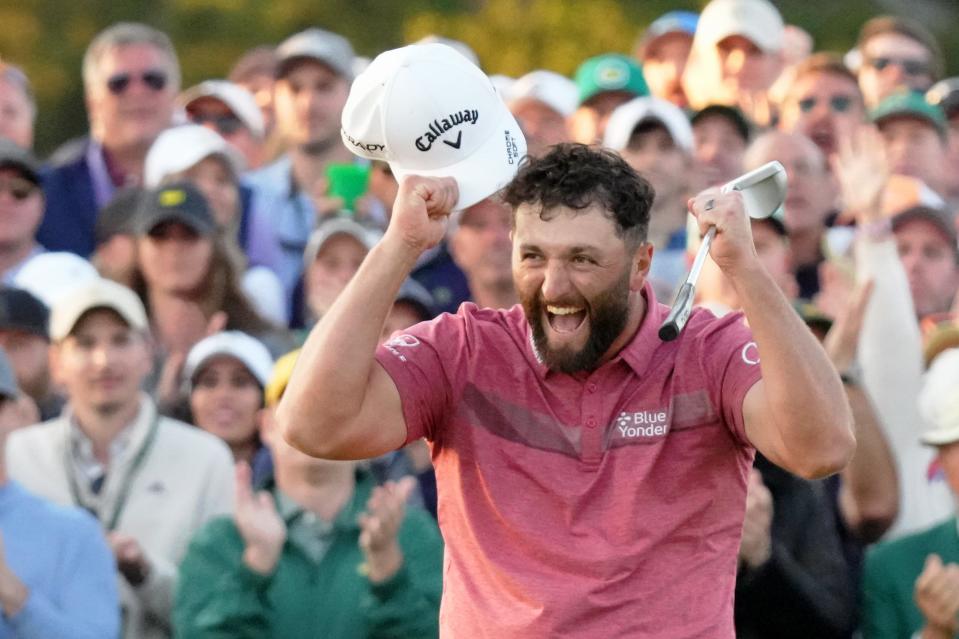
x=224, y=124
x=19, y=188
x=837, y=103
x=911, y=66
x=154, y=79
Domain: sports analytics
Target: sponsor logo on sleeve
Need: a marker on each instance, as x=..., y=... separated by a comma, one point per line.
x=401, y=342
x=750, y=353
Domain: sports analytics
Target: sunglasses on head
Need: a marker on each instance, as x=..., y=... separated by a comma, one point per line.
x=911, y=66
x=154, y=79
x=224, y=124
x=837, y=103
x=19, y=188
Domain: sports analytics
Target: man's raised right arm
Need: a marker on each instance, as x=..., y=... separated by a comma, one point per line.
x=340, y=403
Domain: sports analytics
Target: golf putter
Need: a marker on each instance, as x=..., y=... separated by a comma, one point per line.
x=764, y=191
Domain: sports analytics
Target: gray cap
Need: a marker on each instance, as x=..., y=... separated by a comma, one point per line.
x=14, y=156
x=325, y=47
x=333, y=227
x=8, y=381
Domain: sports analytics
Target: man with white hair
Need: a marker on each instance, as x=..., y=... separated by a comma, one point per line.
x=18, y=107
x=130, y=78
x=911, y=585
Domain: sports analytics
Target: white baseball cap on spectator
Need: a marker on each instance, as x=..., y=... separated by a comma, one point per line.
x=319, y=45
x=97, y=293
x=50, y=276
x=756, y=20
x=939, y=399
x=236, y=98
x=249, y=351
x=552, y=89
x=427, y=110
x=178, y=148
x=332, y=227
x=461, y=47
x=627, y=117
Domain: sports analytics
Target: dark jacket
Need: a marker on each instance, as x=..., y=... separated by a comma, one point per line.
x=804, y=589
x=71, y=207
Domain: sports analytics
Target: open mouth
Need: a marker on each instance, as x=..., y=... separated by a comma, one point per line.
x=565, y=319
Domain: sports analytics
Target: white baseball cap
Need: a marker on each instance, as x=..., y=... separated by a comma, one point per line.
x=427, y=110
x=98, y=293
x=178, y=148
x=325, y=47
x=248, y=350
x=939, y=399
x=756, y=20
x=51, y=276
x=552, y=89
x=626, y=117
x=236, y=98
x=328, y=229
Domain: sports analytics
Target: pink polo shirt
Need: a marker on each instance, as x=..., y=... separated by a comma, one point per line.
x=607, y=504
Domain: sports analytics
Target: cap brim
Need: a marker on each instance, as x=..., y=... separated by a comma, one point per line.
x=172, y=216
x=487, y=170
x=940, y=436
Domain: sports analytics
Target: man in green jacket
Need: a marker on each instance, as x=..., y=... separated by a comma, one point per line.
x=322, y=552
x=911, y=585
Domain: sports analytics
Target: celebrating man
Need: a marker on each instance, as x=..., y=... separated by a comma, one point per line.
x=592, y=478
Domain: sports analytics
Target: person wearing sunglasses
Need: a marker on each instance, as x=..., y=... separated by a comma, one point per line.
x=230, y=110
x=131, y=77
x=896, y=53
x=823, y=102
x=21, y=208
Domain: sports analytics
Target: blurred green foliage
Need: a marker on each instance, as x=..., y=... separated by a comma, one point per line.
x=48, y=37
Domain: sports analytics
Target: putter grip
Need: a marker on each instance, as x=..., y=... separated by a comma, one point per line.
x=682, y=306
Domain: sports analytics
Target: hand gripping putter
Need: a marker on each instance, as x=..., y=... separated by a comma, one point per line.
x=764, y=191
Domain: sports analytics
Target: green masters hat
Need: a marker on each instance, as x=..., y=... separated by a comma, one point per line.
x=610, y=72
x=910, y=104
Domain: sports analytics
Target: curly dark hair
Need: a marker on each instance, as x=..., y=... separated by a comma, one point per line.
x=577, y=176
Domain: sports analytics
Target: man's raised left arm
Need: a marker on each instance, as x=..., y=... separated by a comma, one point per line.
x=797, y=415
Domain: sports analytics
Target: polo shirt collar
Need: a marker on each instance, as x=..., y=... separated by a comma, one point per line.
x=636, y=354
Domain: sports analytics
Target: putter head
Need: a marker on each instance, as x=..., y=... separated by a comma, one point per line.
x=763, y=189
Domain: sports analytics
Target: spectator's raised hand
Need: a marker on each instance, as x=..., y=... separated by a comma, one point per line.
x=862, y=170
x=261, y=527
x=756, y=545
x=937, y=595
x=842, y=341
x=131, y=561
x=379, y=526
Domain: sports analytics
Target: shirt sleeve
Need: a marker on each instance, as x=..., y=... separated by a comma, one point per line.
x=424, y=363
x=730, y=362
x=87, y=605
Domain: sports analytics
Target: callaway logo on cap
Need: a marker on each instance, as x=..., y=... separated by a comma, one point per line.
x=427, y=110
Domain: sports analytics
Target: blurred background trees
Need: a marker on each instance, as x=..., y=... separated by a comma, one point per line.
x=48, y=37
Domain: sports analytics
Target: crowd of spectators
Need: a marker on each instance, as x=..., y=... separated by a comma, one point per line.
x=159, y=273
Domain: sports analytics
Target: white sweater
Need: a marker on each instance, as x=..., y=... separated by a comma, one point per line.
x=185, y=479
x=890, y=353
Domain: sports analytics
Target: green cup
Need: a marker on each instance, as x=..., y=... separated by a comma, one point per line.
x=347, y=181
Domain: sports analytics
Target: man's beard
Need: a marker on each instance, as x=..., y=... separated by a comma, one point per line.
x=320, y=147
x=606, y=317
